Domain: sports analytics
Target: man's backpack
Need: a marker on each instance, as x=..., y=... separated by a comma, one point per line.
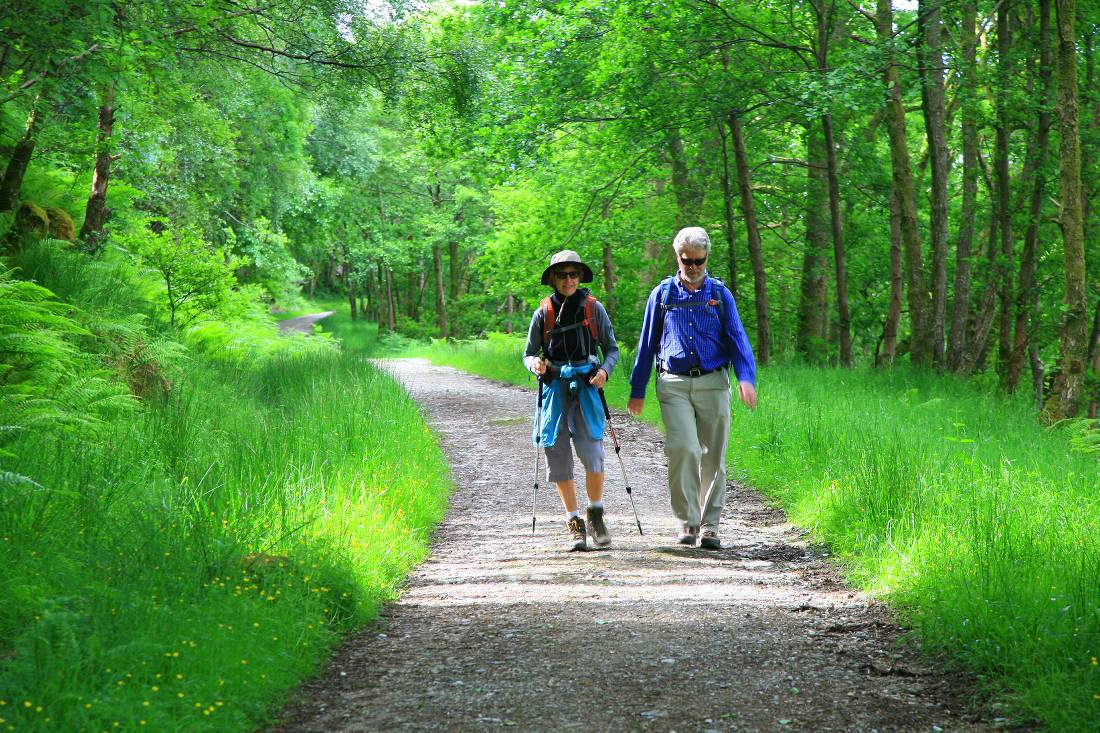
x=663, y=306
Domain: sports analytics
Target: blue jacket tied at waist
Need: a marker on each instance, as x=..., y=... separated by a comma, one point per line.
x=555, y=402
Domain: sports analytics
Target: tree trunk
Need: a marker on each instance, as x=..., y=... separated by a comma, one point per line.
x=436, y=192
x=96, y=212
x=378, y=290
x=1065, y=400
x=508, y=327
x=12, y=182
x=983, y=322
x=455, y=262
x=1003, y=184
x=920, y=342
x=960, y=305
x=897, y=284
x=391, y=323
x=1094, y=358
x=843, y=317
x=421, y=286
x=1027, y=295
x=687, y=210
x=1088, y=153
x=756, y=256
x=413, y=306
x=935, y=125
x=727, y=206
x=844, y=328
x=440, y=299
x=352, y=302
x=609, y=299
x=813, y=316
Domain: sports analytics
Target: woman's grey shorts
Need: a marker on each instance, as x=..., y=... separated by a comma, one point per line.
x=559, y=457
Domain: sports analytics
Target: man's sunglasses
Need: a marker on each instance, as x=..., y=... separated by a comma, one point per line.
x=568, y=274
x=688, y=262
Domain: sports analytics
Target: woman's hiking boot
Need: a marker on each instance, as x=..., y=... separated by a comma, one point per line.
x=576, y=529
x=601, y=537
x=709, y=540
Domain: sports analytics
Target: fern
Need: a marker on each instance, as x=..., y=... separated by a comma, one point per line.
x=1084, y=434
x=45, y=380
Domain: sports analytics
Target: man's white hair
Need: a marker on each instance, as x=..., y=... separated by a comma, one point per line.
x=691, y=238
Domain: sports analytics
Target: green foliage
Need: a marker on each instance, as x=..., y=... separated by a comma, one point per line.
x=955, y=506
x=268, y=260
x=206, y=575
x=198, y=278
x=45, y=382
x=1084, y=435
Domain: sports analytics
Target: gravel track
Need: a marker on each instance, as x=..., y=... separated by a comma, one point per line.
x=503, y=630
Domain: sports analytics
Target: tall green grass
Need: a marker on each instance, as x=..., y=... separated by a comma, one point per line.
x=980, y=526
x=182, y=566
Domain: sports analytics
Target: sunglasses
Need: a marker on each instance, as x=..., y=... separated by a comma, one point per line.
x=689, y=262
x=567, y=275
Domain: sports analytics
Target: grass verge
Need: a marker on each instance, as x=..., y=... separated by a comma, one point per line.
x=181, y=566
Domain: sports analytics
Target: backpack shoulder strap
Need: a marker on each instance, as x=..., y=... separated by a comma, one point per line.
x=717, y=300
x=666, y=288
x=546, y=305
x=590, y=319
x=661, y=310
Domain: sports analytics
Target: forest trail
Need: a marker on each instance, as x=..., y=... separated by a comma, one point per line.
x=502, y=630
x=302, y=323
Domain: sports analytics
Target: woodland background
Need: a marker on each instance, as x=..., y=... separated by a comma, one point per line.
x=901, y=196
x=880, y=183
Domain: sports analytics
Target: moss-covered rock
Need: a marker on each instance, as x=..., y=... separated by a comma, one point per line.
x=60, y=224
x=32, y=219
x=31, y=223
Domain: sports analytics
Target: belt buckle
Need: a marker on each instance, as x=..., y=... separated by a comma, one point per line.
x=695, y=372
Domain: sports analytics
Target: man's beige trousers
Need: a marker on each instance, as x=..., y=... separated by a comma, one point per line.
x=696, y=413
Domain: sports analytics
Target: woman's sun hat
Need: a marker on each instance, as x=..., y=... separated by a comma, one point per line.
x=563, y=257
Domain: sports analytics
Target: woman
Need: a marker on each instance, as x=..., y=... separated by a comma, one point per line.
x=567, y=330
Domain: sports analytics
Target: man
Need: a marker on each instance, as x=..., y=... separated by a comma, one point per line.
x=561, y=349
x=692, y=328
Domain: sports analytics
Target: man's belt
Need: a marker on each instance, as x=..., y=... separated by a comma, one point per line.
x=694, y=372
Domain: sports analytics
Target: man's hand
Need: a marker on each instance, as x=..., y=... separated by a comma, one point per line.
x=747, y=392
x=635, y=405
x=598, y=379
x=539, y=367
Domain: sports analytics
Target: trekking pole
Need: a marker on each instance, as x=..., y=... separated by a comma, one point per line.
x=618, y=448
x=538, y=452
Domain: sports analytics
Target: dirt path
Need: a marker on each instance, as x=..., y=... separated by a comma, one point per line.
x=503, y=630
x=303, y=323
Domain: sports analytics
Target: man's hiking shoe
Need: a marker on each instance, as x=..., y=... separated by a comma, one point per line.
x=709, y=540
x=688, y=534
x=576, y=528
x=601, y=537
